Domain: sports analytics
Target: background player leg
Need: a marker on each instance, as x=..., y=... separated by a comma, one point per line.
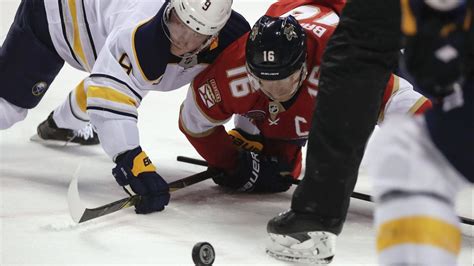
x=28, y=63
x=414, y=189
x=422, y=164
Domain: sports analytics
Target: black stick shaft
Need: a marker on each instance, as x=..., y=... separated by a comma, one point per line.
x=185, y=159
x=112, y=207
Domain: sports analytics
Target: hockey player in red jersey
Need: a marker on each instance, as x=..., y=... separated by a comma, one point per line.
x=268, y=79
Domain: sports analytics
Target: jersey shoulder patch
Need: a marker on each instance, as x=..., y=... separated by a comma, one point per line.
x=225, y=83
x=209, y=93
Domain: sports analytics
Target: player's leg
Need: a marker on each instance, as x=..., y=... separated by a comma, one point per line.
x=414, y=188
x=69, y=122
x=418, y=167
x=28, y=63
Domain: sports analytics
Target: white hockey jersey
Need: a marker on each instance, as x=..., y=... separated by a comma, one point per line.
x=124, y=45
x=79, y=28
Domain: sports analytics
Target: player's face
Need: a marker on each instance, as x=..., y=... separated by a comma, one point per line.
x=183, y=39
x=278, y=90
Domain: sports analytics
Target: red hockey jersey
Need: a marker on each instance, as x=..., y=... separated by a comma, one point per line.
x=223, y=90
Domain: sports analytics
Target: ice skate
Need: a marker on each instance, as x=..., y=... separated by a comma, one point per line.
x=49, y=132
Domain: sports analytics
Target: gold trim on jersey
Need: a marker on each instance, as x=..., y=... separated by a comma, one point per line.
x=395, y=88
x=156, y=81
x=110, y=95
x=419, y=230
x=419, y=103
x=81, y=97
x=189, y=132
x=77, y=45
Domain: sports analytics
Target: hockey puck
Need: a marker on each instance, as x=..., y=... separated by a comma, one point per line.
x=203, y=254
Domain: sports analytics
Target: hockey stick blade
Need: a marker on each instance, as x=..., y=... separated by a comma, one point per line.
x=80, y=213
x=355, y=195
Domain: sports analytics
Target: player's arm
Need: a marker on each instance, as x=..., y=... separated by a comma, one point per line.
x=113, y=96
x=401, y=98
x=202, y=119
x=202, y=124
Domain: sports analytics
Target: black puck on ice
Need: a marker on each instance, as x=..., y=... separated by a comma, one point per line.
x=203, y=254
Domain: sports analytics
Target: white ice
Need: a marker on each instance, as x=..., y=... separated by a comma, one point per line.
x=35, y=226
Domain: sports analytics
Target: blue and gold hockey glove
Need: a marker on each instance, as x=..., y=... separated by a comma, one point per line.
x=257, y=173
x=436, y=42
x=134, y=168
x=245, y=141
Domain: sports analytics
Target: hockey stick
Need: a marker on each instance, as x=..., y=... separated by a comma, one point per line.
x=185, y=159
x=80, y=213
x=355, y=195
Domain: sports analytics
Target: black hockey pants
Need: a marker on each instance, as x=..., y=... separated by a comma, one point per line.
x=356, y=67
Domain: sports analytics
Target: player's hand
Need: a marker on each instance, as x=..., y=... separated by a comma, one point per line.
x=435, y=44
x=257, y=173
x=245, y=141
x=134, y=168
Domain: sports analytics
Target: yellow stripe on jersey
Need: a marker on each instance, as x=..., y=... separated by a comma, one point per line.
x=422, y=230
x=77, y=46
x=136, y=56
x=81, y=97
x=408, y=19
x=142, y=164
x=417, y=105
x=110, y=95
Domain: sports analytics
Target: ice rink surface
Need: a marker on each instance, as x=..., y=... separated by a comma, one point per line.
x=36, y=229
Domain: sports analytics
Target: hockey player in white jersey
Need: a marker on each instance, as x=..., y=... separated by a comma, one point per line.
x=130, y=47
x=43, y=36
x=420, y=165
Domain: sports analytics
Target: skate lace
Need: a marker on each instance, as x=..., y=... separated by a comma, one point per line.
x=86, y=132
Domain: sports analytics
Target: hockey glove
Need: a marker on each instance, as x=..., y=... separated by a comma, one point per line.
x=246, y=141
x=435, y=44
x=134, y=168
x=257, y=173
